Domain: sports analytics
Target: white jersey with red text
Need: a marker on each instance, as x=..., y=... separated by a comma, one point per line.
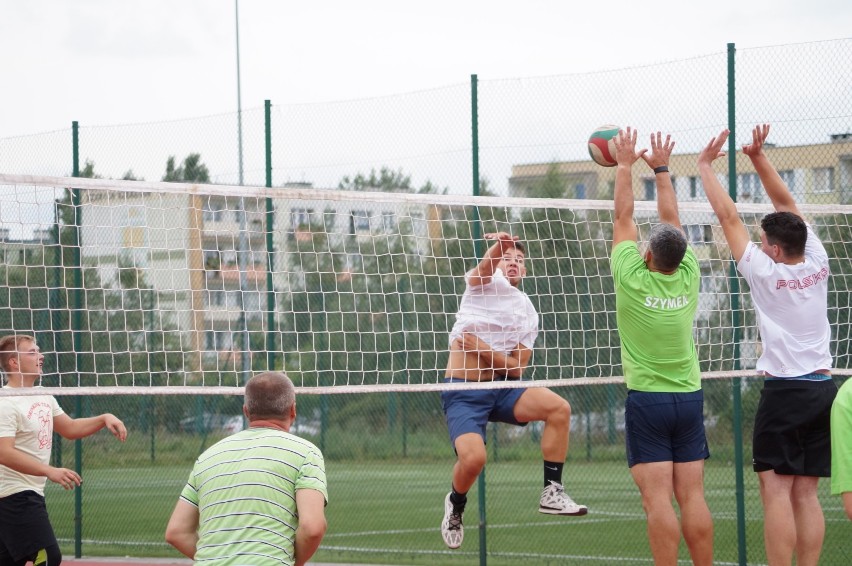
x=791, y=303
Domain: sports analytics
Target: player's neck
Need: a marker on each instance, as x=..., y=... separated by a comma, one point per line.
x=271, y=423
x=20, y=380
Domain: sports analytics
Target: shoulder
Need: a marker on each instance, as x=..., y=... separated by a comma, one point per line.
x=626, y=258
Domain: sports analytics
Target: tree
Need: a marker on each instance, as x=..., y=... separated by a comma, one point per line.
x=192, y=170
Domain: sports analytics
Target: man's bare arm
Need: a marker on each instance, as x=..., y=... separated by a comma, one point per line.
x=776, y=188
x=723, y=205
x=482, y=273
x=310, y=505
x=511, y=365
x=661, y=151
x=625, y=155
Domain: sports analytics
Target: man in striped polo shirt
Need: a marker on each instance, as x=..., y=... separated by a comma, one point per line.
x=258, y=496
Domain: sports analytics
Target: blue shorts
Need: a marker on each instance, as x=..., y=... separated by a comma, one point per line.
x=664, y=427
x=469, y=410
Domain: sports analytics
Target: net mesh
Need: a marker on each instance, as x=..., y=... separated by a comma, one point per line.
x=137, y=287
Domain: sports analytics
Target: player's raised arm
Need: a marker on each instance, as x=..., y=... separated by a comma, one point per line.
x=482, y=273
x=776, y=188
x=723, y=205
x=625, y=155
x=658, y=161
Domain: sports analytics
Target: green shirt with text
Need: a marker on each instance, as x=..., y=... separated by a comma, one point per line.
x=655, y=314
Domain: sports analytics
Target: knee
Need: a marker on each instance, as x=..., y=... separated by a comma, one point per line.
x=560, y=414
x=472, y=460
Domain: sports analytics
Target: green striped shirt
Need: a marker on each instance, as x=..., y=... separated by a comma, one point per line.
x=245, y=489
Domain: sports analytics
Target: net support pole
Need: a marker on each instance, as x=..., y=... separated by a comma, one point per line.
x=734, y=286
x=270, y=245
x=476, y=234
x=76, y=333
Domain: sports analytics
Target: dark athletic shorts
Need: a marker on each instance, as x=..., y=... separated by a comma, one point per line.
x=792, y=430
x=24, y=525
x=664, y=427
x=469, y=410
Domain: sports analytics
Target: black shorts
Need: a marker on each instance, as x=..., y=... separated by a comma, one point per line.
x=792, y=428
x=24, y=525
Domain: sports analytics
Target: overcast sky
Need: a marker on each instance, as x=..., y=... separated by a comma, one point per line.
x=105, y=62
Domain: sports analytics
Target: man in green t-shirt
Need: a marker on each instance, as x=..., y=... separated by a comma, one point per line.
x=656, y=295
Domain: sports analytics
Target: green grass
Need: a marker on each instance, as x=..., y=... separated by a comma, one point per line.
x=389, y=512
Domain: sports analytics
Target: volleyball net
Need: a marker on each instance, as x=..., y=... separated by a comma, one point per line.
x=134, y=287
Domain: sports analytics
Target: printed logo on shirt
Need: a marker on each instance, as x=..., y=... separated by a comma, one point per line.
x=666, y=303
x=810, y=280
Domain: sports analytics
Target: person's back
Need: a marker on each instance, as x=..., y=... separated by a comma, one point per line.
x=791, y=305
x=655, y=317
x=245, y=489
x=258, y=496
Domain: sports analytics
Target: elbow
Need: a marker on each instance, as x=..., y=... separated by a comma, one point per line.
x=313, y=530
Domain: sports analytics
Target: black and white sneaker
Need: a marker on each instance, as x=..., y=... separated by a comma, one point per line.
x=451, y=527
x=554, y=501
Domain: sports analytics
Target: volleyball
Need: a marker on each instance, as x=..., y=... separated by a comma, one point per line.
x=601, y=146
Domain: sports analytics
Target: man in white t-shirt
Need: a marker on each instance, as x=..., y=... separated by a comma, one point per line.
x=27, y=424
x=492, y=340
x=788, y=279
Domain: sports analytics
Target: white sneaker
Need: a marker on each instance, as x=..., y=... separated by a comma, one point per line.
x=451, y=527
x=554, y=501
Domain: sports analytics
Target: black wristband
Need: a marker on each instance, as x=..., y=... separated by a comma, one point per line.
x=661, y=169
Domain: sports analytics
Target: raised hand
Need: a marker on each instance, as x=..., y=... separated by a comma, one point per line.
x=758, y=138
x=714, y=149
x=504, y=239
x=625, y=147
x=660, y=151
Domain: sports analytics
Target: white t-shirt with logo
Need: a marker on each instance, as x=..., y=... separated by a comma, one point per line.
x=498, y=313
x=30, y=421
x=791, y=304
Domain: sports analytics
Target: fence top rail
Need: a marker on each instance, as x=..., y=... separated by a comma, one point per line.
x=289, y=193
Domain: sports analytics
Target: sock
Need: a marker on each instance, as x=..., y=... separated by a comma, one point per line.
x=553, y=472
x=459, y=500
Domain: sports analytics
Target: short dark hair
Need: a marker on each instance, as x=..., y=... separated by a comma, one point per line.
x=668, y=246
x=520, y=247
x=9, y=347
x=786, y=230
x=269, y=395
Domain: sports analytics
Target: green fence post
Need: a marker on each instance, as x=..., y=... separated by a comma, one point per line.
x=735, y=322
x=477, y=250
x=76, y=333
x=270, y=244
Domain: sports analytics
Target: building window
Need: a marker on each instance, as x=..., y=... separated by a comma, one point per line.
x=823, y=179
x=749, y=187
x=579, y=191
x=359, y=222
x=694, y=184
x=301, y=218
x=388, y=221
x=789, y=178
x=219, y=340
x=698, y=233
x=650, y=189
x=213, y=208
